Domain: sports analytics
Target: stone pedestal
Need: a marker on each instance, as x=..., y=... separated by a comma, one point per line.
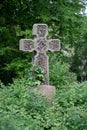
x=47, y=91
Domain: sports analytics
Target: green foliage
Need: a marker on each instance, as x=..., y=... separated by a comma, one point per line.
x=18, y=104
x=23, y=109
x=73, y=100
x=17, y=17
x=21, y=106
x=60, y=74
x=35, y=76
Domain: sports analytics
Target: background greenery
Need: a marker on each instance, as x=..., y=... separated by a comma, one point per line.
x=66, y=20
x=22, y=109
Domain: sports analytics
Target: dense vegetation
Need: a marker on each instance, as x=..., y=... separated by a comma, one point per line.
x=65, y=21
x=21, y=108
x=24, y=109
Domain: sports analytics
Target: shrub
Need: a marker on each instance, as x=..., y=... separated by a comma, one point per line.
x=21, y=109
x=60, y=74
x=19, y=106
x=35, y=76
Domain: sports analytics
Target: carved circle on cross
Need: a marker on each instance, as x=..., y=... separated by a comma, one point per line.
x=40, y=30
x=41, y=46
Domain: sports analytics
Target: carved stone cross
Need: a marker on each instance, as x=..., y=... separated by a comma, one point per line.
x=40, y=45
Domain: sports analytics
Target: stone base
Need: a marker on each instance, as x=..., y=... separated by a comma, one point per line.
x=47, y=90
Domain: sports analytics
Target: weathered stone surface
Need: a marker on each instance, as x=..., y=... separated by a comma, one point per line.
x=40, y=30
x=53, y=45
x=40, y=44
x=47, y=90
x=42, y=60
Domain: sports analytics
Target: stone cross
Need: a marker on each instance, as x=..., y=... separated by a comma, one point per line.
x=40, y=44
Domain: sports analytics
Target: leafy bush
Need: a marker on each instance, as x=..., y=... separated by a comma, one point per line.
x=19, y=106
x=73, y=100
x=23, y=109
x=60, y=74
x=35, y=76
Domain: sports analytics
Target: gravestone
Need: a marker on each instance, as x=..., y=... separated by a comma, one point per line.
x=40, y=44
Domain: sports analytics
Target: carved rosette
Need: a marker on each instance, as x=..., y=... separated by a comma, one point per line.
x=26, y=45
x=54, y=45
x=40, y=30
x=41, y=46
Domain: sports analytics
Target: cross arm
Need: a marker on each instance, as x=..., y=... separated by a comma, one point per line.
x=54, y=45
x=26, y=45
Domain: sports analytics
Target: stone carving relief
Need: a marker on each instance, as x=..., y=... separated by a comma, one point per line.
x=26, y=45
x=42, y=60
x=54, y=45
x=41, y=30
x=41, y=46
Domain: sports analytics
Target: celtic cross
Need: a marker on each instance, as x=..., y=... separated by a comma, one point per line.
x=40, y=44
